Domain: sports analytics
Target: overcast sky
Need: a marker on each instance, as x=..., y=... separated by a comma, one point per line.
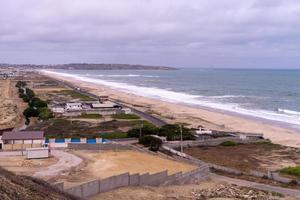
x=180, y=33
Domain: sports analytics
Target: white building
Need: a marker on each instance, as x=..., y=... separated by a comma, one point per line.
x=73, y=106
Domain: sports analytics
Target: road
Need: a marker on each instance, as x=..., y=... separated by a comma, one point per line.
x=154, y=120
x=66, y=161
x=259, y=186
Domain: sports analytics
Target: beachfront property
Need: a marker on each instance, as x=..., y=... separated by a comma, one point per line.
x=86, y=107
x=20, y=140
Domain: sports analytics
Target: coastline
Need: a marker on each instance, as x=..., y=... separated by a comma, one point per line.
x=194, y=116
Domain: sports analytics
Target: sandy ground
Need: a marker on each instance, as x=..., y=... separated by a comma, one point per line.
x=11, y=106
x=182, y=192
x=98, y=165
x=20, y=165
x=194, y=116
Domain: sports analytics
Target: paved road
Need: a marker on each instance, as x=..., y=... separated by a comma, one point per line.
x=66, y=161
x=154, y=120
x=260, y=186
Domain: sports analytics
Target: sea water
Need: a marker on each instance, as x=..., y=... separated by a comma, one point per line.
x=264, y=94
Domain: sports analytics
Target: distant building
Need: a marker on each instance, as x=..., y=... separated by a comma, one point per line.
x=20, y=140
x=73, y=106
x=103, y=99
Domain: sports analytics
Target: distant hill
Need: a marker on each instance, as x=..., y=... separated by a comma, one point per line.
x=89, y=66
x=26, y=188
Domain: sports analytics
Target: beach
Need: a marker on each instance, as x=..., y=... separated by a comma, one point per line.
x=193, y=117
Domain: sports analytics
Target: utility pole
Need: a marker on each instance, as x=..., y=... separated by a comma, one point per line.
x=181, y=146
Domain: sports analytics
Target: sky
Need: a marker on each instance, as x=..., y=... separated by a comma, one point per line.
x=179, y=33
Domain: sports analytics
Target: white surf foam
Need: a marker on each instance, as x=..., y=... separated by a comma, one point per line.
x=178, y=97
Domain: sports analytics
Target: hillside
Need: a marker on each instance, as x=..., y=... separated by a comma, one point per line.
x=26, y=188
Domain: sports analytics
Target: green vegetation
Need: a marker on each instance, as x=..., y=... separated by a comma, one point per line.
x=76, y=95
x=228, y=143
x=295, y=171
x=125, y=116
x=90, y=116
x=114, y=135
x=152, y=142
x=171, y=131
x=36, y=106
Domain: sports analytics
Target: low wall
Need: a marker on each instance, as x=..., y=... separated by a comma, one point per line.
x=114, y=147
x=95, y=187
x=212, y=142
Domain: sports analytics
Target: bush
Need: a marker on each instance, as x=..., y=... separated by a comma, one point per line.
x=37, y=103
x=172, y=132
x=30, y=112
x=30, y=94
x=291, y=171
x=21, y=84
x=44, y=113
x=153, y=143
x=228, y=143
x=146, y=130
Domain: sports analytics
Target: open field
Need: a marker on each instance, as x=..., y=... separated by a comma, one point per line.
x=256, y=156
x=20, y=165
x=99, y=165
x=11, y=106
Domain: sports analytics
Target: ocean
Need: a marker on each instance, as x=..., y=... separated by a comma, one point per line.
x=271, y=95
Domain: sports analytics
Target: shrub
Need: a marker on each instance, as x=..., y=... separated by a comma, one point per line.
x=228, y=143
x=153, y=143
x=45, y=113
x=21, y=84
x=30, y=112
x=291, y=171
x=146, y=130
x=30, y=94
x=172, y=132
x=38, y=103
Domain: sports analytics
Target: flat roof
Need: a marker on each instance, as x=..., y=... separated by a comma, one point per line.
x=23, y=135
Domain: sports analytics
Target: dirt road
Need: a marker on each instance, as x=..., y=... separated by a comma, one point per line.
x=66, y=161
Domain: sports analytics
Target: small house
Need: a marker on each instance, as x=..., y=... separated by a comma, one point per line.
x=20, y=140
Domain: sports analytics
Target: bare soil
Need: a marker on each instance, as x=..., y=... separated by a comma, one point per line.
x=100, y=165
x=257, y=156
x=11, y=106
x=20, y=165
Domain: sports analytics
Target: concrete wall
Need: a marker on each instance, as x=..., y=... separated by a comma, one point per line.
x=124, y=180
x=115, y=147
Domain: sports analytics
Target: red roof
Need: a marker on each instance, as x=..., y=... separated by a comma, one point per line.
x=23, y=135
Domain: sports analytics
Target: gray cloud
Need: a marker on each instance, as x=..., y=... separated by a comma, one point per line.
x=192, y=33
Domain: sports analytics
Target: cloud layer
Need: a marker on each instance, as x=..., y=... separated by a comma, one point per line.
x=191, y=33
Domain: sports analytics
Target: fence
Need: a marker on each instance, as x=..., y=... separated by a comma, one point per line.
x=124, y=180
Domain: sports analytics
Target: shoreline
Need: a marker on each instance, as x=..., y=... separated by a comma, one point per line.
x=208, y=117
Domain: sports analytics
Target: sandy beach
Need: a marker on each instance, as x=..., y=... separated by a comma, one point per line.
x=193, y=117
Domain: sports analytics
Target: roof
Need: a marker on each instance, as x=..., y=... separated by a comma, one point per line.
x=103, y=105
x=74, y=104
x=23, y=135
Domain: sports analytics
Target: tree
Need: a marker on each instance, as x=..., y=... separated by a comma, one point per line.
x=172, y=132
x=146, y=130
x=38, y=103
x=44, y=113
x=30, y=94
x=152, y=142
x=30, y=112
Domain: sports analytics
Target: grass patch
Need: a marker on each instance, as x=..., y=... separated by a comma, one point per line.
x=228, y=144
x=294, y=171
x=125, y=116
x=89, y=116
x=114, y=135
x=76, y=95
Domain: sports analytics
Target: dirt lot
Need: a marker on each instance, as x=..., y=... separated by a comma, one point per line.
x=104, y=164
x=11, y=106
x=258, y=156
x=22, y=166
x=204, y=190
